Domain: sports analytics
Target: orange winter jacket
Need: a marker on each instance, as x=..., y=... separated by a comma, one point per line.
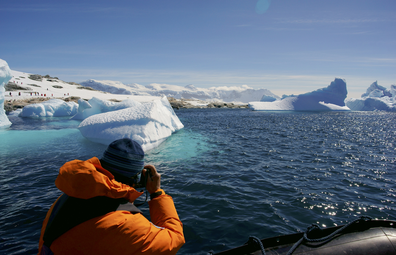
x=116, y=232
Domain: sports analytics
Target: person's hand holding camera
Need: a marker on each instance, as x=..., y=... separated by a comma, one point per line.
x=153, y=179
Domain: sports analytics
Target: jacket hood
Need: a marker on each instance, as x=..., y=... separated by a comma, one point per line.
x=87, y=179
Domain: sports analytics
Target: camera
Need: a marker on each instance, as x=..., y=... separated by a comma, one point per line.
x=143, y=179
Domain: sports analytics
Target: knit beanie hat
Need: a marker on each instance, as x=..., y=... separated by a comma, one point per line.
x=123, y=156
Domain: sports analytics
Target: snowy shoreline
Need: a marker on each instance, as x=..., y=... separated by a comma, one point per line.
x=23, y=89
x=15, y=103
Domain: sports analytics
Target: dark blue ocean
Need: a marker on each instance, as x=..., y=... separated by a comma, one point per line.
x=233, y=173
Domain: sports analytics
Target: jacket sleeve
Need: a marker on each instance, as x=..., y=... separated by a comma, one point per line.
x=164, y=216
x=44, y=226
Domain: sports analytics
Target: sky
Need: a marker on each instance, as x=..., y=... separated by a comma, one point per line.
x=286, y=46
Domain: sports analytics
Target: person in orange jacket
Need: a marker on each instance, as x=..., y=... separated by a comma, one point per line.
x=95, y=214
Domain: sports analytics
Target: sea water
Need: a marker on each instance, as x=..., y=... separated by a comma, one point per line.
x=233, y=173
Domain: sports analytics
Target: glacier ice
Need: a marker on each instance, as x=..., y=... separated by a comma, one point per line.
x=330, y=98
x=148, y=123
x=5, y=76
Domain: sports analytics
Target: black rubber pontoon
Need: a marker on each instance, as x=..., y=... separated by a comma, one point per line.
x=363, y=236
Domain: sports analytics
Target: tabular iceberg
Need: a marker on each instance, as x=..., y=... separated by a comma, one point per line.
x=149, y=124
x=5, y=76
x=330, y=98
x=376, y=98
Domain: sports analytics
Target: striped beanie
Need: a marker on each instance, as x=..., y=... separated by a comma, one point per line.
x=123, y=156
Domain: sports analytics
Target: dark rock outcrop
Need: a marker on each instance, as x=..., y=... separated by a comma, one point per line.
x=11, y=86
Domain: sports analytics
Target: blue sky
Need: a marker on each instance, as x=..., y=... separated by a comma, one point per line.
x=286, y=46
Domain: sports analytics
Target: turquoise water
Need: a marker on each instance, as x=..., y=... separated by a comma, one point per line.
x=232, y=173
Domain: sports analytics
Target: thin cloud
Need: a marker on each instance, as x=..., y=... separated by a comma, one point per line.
x=320, y=56
x=383, y=60
x=27, y=9
x=332, y=21
x=81, y=8
x=244, y=25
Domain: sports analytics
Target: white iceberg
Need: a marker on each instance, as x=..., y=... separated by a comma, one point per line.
x=97, y=105
x=376, y=90
x=149, y=124
x=104, y=121
x=269, y=98
x=5, y=76
x=50, y=108
x=330, y=98
x=376, y=98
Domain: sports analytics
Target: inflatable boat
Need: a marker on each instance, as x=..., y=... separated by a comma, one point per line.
x=363, y=236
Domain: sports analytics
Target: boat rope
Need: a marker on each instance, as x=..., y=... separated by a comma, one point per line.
x=253, y=239
x=326, y=238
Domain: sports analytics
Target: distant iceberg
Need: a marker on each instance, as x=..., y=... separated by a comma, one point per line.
x=376, y=98
x=149, y=124
x=5, y=76
x=330, y=98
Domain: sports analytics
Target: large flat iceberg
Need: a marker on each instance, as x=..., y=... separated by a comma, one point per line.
x=148, y=123
x=330, y=98
x=376, y=98
x=5, y=76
